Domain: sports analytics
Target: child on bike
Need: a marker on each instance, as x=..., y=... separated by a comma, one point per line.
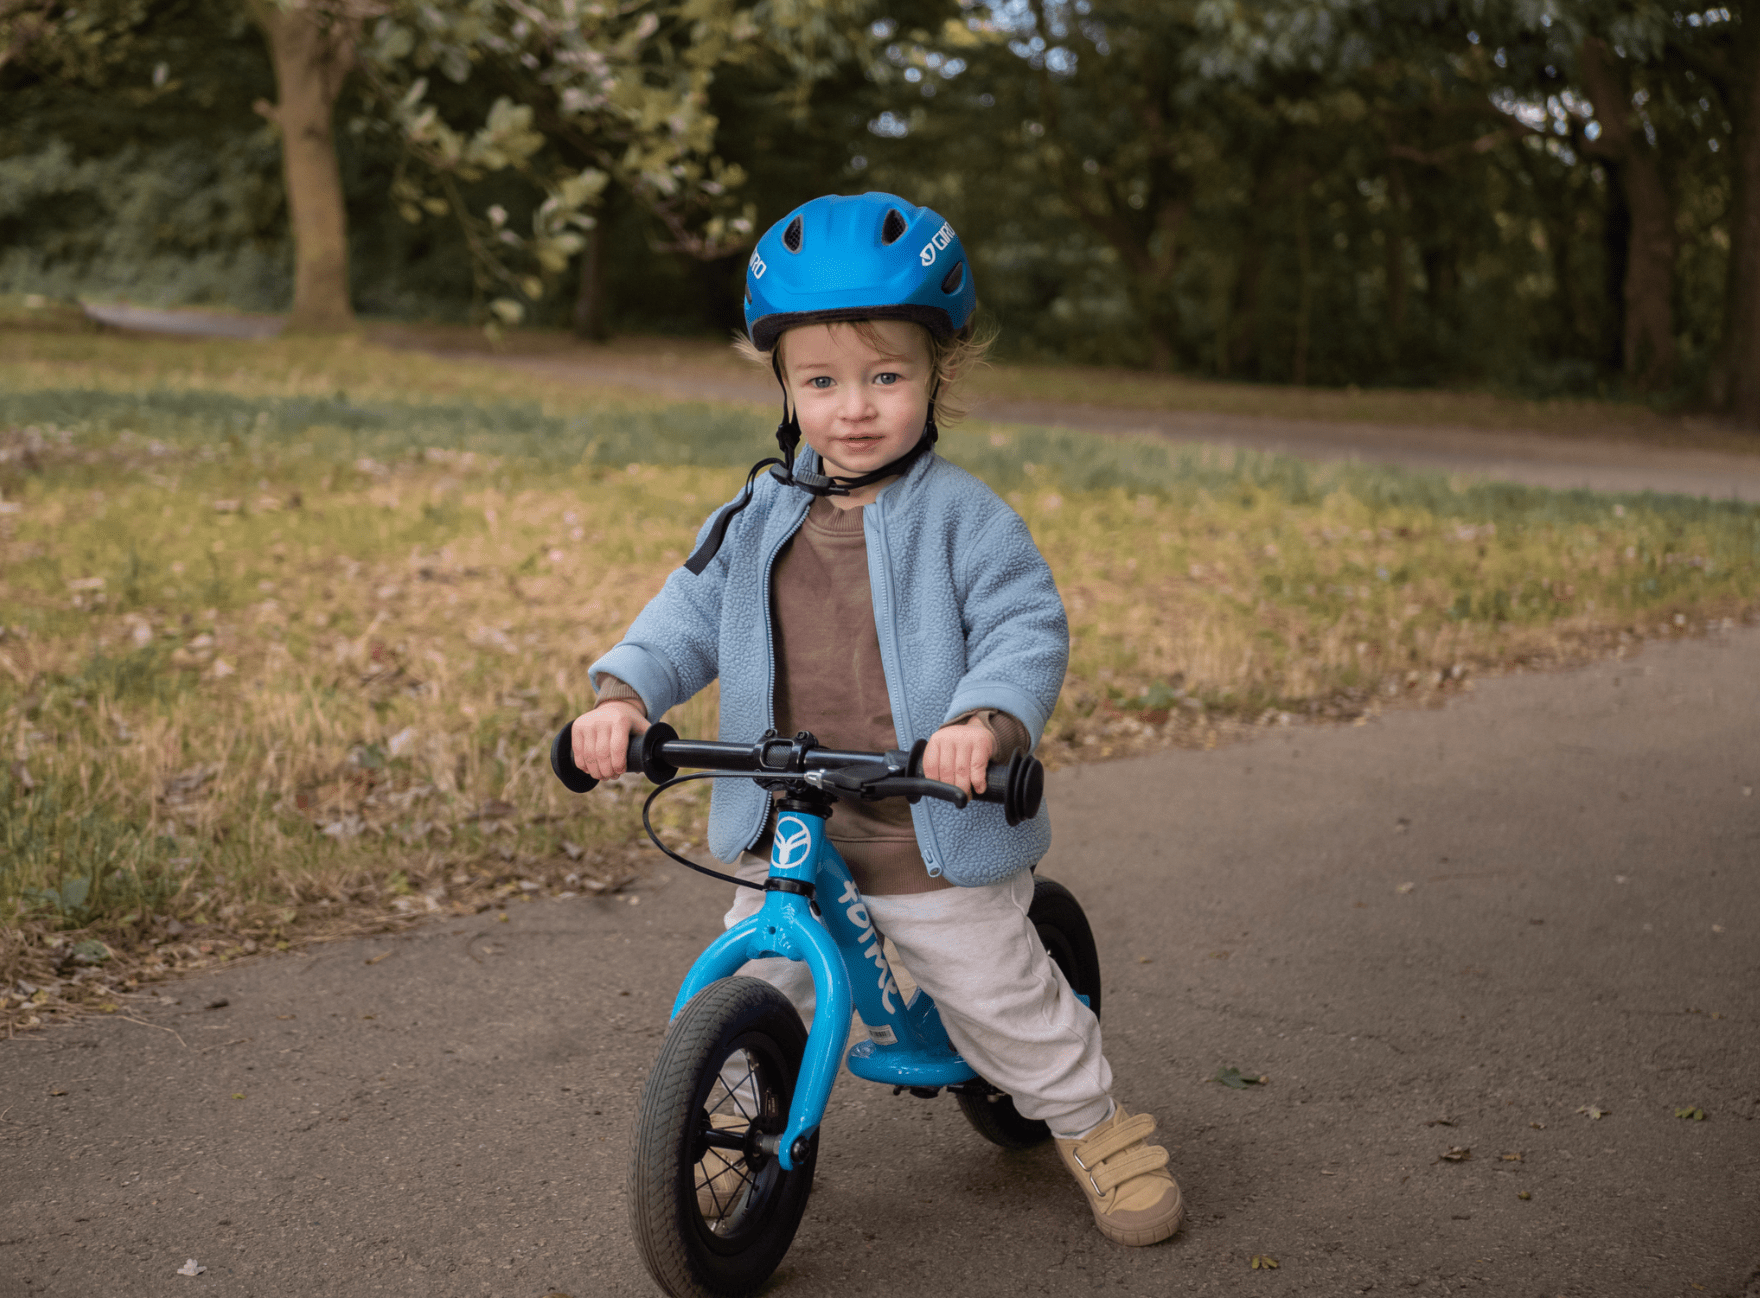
x=869, y=591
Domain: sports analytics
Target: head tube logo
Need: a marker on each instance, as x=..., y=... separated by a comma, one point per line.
x=793, y=841
x=937, y=242
x=758, y=267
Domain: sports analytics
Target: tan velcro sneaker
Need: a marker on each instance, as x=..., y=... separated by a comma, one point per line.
x=1135, y=1199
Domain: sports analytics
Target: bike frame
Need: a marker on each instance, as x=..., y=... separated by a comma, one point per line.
x=907, y=1044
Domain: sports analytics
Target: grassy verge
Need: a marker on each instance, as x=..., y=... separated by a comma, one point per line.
x=279, y=661
x=42, y=338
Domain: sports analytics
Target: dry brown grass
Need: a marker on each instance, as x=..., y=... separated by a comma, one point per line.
x=254, y=691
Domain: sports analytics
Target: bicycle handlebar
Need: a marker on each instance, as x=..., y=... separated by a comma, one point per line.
x=1018, y=784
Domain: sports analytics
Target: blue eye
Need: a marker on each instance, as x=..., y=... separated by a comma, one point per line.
x=820, y=381
x=886, y=379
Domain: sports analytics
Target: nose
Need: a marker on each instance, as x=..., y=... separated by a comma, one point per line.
x=854, y=404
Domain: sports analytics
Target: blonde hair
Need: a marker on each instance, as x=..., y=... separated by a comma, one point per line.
x=951, y=358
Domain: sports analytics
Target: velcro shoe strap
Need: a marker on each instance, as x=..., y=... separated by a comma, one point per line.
x=1126, y=1167
x=1121, y=1136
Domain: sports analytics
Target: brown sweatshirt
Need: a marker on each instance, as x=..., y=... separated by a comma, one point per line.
x=829, y=680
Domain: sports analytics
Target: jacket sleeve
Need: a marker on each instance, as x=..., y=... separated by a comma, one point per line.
x=1017, y=635
x=672, y=649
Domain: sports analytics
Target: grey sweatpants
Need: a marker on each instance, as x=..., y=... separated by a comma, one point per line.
x=1006, y=1006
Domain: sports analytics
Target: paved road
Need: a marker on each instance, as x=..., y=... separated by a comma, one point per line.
x=1445, y=929
x=1563, y=462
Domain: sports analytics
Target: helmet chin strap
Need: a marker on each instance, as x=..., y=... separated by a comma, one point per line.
x=788, y=437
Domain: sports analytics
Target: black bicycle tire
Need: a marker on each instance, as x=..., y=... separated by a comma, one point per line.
x=1069, y=941
x=675, y=1243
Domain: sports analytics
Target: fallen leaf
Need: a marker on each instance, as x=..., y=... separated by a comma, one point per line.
x=1594, y=1111
x=238, y=1095
x=374, y=959
x=1523, y=1195
x=1538, y=1126
x=1511, y=1158
x=1405, y=887
x=1691, y=1113
x=502, y=917
x=1236, y=1080
x=1456, y=1154
x=1264, y=1262
x=191, y=1267
x=58, y=1092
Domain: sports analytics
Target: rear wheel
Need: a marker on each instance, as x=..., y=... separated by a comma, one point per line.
x=712, y=1213
x=1063, y=928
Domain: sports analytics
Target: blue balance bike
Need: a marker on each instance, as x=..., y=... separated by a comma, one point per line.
x=728, y=1129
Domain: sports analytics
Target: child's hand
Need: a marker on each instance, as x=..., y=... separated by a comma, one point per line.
x=959, y=755
x=601, y=738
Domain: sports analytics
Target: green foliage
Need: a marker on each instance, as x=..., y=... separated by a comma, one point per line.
x=1275, y=190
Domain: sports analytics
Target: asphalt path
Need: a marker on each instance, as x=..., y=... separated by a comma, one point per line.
x=1463, y=929
x=1598, y=464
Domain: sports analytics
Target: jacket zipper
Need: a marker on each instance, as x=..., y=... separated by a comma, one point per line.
x=770, y=651
x=887, y=625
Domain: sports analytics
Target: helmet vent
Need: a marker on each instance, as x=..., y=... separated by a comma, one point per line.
x=951, y=282
x=791, y=237
x=893, y=228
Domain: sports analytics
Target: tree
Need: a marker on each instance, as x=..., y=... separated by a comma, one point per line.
x=589, y=100
x=1735, y=386
x=312, y=46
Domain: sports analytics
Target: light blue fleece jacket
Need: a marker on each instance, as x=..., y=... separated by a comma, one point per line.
x=968, y=617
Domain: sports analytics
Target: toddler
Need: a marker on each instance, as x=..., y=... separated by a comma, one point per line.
x=869, y=591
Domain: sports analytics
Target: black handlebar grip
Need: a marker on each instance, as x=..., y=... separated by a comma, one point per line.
x=644, y=756
x=1019, y=786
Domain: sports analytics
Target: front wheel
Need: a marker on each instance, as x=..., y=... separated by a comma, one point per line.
x=1063, y=928
x=711, y=1212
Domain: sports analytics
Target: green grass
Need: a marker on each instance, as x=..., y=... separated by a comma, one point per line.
x=286, y=642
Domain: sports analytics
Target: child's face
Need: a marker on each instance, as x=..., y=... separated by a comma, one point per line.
x=861, y=406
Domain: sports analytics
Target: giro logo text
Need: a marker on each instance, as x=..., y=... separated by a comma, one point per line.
x=937, y=242
x=857, y=914
x=758, y=266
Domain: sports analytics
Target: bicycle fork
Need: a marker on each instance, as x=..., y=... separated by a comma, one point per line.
x=907, y=1045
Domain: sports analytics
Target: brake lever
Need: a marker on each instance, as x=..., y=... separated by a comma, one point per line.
x=871, y=783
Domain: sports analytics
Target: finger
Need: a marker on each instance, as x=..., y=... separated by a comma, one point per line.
x=617, y=743
x=980, y=759
x=958, y=765
x=602, y=726
x=577, y=742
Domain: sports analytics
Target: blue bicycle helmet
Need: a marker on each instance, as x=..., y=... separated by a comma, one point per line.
x=872, y=256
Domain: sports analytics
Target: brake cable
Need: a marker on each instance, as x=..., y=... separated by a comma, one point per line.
x=648, y=824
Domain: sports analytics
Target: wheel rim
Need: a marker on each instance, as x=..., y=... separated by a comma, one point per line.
x=1057, y=946
x=746, y=1097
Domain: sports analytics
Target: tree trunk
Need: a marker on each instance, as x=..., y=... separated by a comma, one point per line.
x=1243, y=339
x=1304, y=289
x=1649, y=350
x=1616, y=237
x=591, y=313
x=311, y=44
x=1739, y=379
x=1394, y=232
